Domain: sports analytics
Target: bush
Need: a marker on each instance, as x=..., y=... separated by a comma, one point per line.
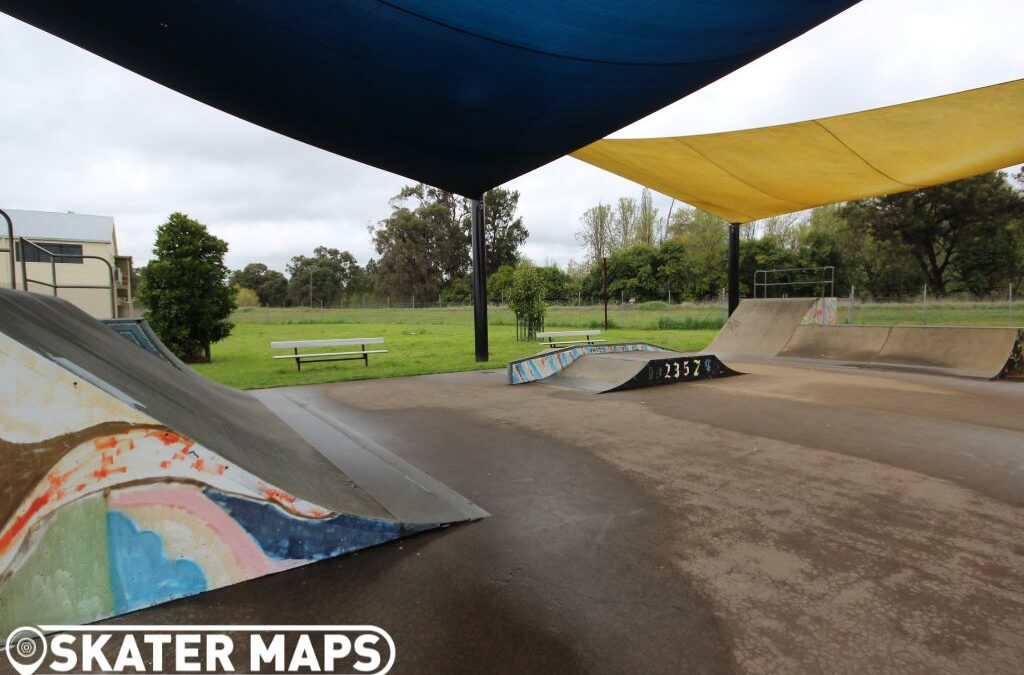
x=246, y=297
x=526, y=299
x=690, y=323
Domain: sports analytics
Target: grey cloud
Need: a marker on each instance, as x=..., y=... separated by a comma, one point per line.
x=84, y=135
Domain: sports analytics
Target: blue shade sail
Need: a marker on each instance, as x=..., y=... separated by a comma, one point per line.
x=460, y=94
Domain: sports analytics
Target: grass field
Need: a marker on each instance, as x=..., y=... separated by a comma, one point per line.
x=436, y=340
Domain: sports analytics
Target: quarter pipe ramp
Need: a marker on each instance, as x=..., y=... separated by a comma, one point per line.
x=772, y=328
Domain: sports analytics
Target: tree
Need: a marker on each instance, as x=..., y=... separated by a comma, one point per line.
x=952, y=231
x=273, y=291
x=251, y=276
x=408, y=242
x=526, y=299
x=499, y=283
x=624, y=224
x=450, y=220
x=555, y=282
x=446, y=217
x=425, y=243
x=329, y=270
x=457, y=292
x=596, y=235
x=632, y=274
x=647, y=216
x=184, y=288
x=705, y=246
x=504, y=231
x=271, y=286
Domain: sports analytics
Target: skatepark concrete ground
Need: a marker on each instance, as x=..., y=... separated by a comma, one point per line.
x=797, y=519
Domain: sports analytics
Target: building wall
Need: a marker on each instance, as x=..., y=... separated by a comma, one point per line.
x=90, y=272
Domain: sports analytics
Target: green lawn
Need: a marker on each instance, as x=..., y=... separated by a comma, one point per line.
x=436, y=340
x=244, y=360
x=943, y=313
x=647, y=316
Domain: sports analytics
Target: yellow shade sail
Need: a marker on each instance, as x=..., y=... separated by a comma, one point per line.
x=756, y=173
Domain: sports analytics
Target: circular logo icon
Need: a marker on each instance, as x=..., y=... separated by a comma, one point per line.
x=26, y=649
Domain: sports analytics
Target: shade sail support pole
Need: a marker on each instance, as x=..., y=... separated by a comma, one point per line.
x=476, y=207
x=734, y=267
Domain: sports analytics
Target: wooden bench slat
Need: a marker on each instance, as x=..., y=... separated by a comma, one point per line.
x=303, y=356
x=299, y=344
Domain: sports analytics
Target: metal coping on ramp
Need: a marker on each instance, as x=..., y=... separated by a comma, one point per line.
x=130, y=482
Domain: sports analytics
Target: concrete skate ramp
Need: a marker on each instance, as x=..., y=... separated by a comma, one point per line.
x=970, y=352
x=129, y=482
x=961, y=351
x=836, y=343
x=771, y=328
x=761, y=327
x=602, y=373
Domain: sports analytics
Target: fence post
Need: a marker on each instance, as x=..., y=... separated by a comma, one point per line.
x=849, y=318
x=1011, y=303
x=924, y=306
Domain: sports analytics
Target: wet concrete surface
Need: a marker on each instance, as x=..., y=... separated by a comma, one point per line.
x=793, y=520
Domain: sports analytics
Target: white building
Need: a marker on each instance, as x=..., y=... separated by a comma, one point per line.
x=99, y=281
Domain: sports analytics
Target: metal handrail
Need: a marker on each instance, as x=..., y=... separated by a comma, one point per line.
x=828, y=278
x=53, y=273
x=10, y=238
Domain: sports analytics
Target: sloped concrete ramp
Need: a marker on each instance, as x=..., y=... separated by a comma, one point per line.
x=129, y=482
x=771, y=328
x=761, y=327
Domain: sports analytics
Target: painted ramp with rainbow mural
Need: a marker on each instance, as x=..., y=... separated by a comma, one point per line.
x=128, y=482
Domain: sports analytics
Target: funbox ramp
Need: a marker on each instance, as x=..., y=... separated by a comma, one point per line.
x=772, y=328
x=600, y=369
x=129, y=482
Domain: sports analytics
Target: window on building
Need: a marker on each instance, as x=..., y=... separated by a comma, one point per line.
x=33, y=254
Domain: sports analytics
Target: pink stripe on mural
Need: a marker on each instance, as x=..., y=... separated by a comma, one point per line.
x=249, y=556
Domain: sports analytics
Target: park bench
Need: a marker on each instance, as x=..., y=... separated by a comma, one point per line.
x=548, y=337
x=324, y=356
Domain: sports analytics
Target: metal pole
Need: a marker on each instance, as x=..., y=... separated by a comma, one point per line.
x=24, y=270
x=849, y=319
x=734, y=267
x=924, y=306
x=605, y=290
x=311, y=288
x=10, y=239
x=1011, y=303
x=476, y=207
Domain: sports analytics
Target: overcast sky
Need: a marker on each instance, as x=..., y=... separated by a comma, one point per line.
x=78, y=133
